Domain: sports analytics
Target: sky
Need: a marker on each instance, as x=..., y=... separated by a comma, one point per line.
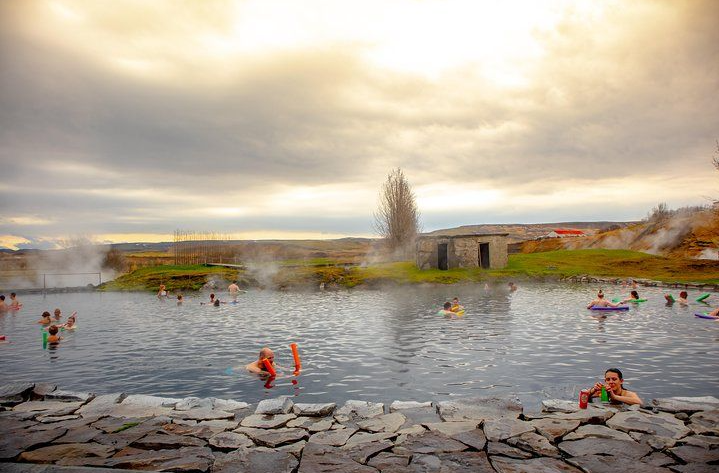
x=125, y=120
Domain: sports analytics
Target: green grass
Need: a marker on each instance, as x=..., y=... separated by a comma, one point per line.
x=552, y=265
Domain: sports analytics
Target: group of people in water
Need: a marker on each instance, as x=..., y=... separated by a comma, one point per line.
x=233, y=289
x=14, y=303
x=51, y=323
x=601, y=302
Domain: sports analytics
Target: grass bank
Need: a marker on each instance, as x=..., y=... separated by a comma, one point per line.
x=548, y=265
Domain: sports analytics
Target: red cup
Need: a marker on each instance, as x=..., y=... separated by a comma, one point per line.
x=583, y=398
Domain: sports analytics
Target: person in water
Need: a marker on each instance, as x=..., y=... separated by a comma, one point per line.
x=633, y=296
x=45, y=320
x=512, y=287
x=179, y=299
x=600, y=301
x=233, y=289
x=258, y=367
x=162, y=292
x=446, y=310
x=3, y=306
x=57, y=313
x=70, y=324
x=683, y=298
x=613, y=380
x=14, y=302
x=456, y=306
x=53, y=338
x=714, y=313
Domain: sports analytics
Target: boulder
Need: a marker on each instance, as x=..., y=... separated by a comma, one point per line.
x=314, y=410
x=479, y=409
x=280, y=405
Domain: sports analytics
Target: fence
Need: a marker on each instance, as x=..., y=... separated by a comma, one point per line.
x=202, y=248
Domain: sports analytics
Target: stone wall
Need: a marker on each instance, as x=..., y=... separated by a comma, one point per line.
x=462, y=251
x=65, y=430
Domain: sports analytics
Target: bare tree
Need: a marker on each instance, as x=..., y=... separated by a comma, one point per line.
x=397, y=217
x=715, y=161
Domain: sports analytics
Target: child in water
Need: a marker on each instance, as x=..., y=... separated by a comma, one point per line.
x=456, y=307
x=45, y=320
x=57, y=314
x=179, y=299
x=53, y=338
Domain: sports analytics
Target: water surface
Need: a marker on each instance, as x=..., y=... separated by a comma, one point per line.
x=539, y=342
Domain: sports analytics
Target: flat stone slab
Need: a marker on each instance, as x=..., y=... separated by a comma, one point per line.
x=401, y=405
x=504, y=428
x=259, y=421
x=281, y=405
x=553, y=429
x=314, y=410
x=664, y=425
x=228, y=404
x=704, y=441
x=256, y=461
x=693, y=454
x=57, y=408
x=364, y=437
x=55, y=453
x=41, y=389
x=14, y=393
x=614, y=464
x=318, y=458
x=230, y=441
x=359, y=410
x=13, y=445
x=473, y=438
x=384, y=423
x=274, y=437
x=80, y=434
x=334, y=438
x=479, y=409
x=432, y=443
x=200, y=431
x=475, y=462
x=389, y=461
x=597, y=446
x=61, y=395
x=499, y=448
x=535, y=465
x=686, y=404
x=451, y=428
x=202, y=413
x=422, y=415
x=140, y=405
x=533, y=442
x=163, y=441
x=597, y=431
x=705, y=422
x=101, y=405
x=190, y=459
x=361, y=452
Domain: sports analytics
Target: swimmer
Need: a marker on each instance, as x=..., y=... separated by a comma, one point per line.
x=179, y=299
x=45, y=320
x=601, y=302
x=512, y=287
x=258, y=367
x=53, y=338
x=234, y=289
x=714, y=313
x=486, y=286
x=70, y=324
x=3, y=306
x=162, y=292
x=633, y=296
x=216, y=303
x=446, y=310
x=613, y=384
x=14, y=302
x=57, y=314
x=683, y=298
x=456, y=307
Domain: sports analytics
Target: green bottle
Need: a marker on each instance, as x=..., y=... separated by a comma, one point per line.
x=44, y=338
x=605, y=395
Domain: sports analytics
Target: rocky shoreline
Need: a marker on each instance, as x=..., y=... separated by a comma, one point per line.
x=44, y=429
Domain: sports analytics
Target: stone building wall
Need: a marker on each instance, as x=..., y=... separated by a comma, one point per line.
x=462, y=250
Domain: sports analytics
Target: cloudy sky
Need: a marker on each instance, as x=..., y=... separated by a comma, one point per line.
x=124, y=120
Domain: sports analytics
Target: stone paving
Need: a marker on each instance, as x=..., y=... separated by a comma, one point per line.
x=44, y=429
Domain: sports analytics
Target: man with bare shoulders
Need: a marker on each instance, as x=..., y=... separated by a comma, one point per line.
x=15, y=304
x=601, y=302
x=233, y=289
x=258, y=367
x=3, y=305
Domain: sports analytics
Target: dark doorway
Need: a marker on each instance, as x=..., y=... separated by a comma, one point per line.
x=484, y=255
x=442, y=256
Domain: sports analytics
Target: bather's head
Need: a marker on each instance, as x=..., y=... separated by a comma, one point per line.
x=447, y=305
x=683, y=294
x=266, y=353
x=52, y=330
x=613, y=378
x=635, y=294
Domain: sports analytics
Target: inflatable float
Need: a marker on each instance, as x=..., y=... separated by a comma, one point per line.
x=705, y=315
x=609, y=309
x=635, y=301
x=703, y=297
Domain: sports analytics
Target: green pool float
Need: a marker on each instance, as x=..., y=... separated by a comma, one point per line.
x=702, y=297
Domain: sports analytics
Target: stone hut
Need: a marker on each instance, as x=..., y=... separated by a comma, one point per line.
x=474, y=250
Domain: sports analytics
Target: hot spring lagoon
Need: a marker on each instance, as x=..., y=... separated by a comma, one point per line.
x=539, y=342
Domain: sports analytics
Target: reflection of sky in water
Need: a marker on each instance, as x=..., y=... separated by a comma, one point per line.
x=373, y=345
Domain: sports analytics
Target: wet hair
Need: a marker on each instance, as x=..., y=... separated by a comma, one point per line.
x=216, y=303
x=12, y=294
x=179, y=297
x=456, y=299
x=2, y=297
x=635, y=294
x=447, y=305
x=52, y=330
x=46, y=314
x=616, y=371
x=212, y=296
x=683, y=294
x=600, y=294
x=57, y=311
